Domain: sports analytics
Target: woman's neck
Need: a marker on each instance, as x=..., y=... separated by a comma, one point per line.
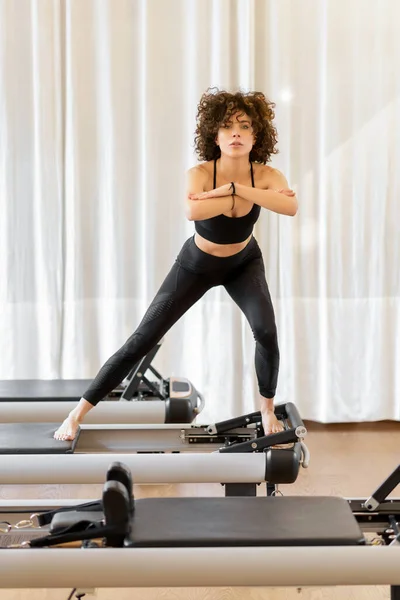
x=233, y=169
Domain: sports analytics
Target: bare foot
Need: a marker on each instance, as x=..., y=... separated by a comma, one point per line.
x=270, y=423
x=67, y=430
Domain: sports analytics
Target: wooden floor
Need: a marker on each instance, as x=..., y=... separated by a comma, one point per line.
x=346, y=460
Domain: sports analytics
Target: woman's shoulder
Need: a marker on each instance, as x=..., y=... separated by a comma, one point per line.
x=204, y=166
x=203, y=169
x=267, y=175
x=199, y=174
x=264, y=170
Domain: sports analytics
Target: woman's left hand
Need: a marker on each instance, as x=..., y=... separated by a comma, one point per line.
x=286, y=192
x=224, y=190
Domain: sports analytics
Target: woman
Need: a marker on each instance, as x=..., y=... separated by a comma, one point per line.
x=235, y=138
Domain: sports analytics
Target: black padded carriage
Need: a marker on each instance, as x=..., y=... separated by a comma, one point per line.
x=42, y=390
x=213, y=522
x=33, y=438
x=272, y=521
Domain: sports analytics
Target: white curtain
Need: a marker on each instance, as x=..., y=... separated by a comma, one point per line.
x=97, y=113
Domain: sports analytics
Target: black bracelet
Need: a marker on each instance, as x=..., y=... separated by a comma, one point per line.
x=232, y=187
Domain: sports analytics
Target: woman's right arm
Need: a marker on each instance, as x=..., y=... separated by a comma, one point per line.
x=196, y=210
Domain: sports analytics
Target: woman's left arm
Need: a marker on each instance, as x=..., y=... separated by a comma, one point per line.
x=275, y=194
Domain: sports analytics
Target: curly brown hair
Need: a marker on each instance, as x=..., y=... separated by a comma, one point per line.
x=217, y=106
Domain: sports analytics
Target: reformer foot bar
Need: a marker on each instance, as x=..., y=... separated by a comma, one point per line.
x=138, y=399
x=174, y=454
x=156, y=542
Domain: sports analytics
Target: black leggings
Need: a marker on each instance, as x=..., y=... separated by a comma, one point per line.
x=192, y=275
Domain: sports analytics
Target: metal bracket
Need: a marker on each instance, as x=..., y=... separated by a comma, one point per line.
x=263, y=443
x=383, y=490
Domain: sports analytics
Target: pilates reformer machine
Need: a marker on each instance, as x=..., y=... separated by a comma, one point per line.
x=120, y=541
x=234, y=448
x=143, y=397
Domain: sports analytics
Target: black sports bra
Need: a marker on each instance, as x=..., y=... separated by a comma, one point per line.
x=228, y=230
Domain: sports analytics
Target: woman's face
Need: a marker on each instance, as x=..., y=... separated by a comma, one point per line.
x=235, y=136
